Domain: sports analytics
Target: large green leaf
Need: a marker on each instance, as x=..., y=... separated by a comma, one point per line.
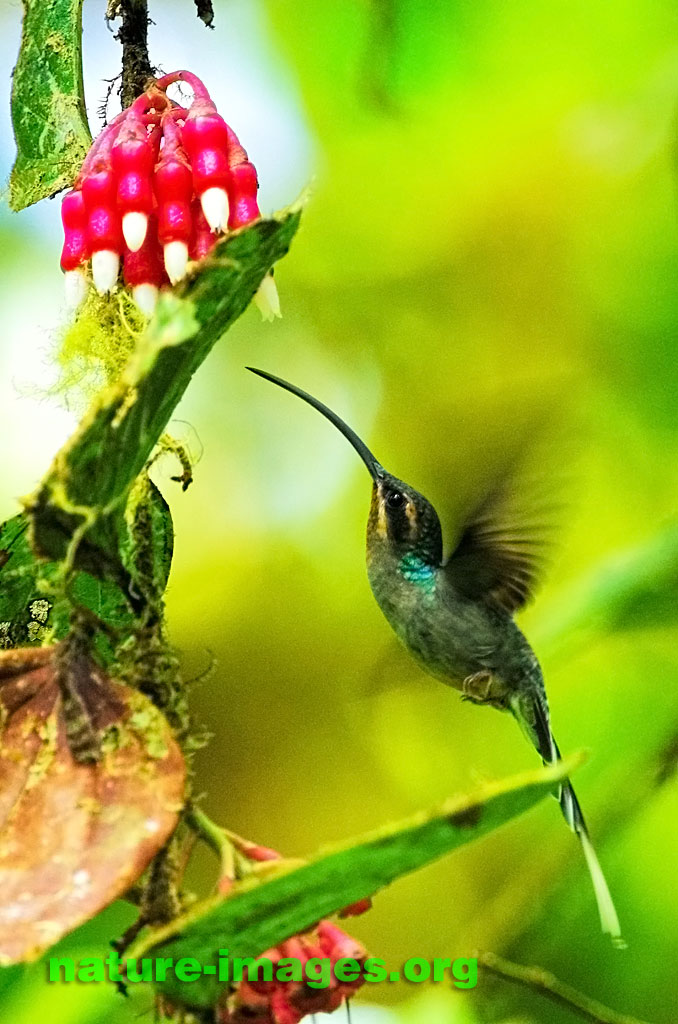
x=91, y=476
x=263, y=910
x=48, y=105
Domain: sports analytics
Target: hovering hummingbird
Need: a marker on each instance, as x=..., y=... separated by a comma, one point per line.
x=455, y=614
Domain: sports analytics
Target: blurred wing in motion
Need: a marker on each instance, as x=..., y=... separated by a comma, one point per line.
x=506, y=539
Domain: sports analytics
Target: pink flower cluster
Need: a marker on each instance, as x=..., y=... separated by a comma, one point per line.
x=155, y=190
x=288, y=1002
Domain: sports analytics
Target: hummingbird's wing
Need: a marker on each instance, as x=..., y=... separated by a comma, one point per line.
x=506, y=539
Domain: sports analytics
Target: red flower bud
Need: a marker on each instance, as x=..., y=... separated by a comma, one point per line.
x=174, y=222
x=200, y=183
x=202, y=239
x=283, y=1011
x=98, y=187
x=172, y=179
x=143, y=270
x=103, y=229
x=204, y=128
x=74, y=219
x=145, y=265
x=135, y=192
x=360, y=907
x=337, y=944
x=261, y=853
x=135, y=148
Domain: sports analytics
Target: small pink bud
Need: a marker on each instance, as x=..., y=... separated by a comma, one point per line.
x=261, y=853
x=354, y=909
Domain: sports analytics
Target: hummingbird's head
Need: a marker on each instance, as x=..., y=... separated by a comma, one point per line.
x=404, y=521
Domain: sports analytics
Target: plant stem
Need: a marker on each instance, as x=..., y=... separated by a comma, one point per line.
x=547, y=984
x=214, y=836
x=133, y=34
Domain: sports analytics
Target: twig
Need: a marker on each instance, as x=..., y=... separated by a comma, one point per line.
x=205, y=12
x=133, y=34
x=539, y=980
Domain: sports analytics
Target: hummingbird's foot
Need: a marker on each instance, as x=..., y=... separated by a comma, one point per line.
x=484, y=688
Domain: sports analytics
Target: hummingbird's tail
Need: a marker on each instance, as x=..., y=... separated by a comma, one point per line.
x=536, y=726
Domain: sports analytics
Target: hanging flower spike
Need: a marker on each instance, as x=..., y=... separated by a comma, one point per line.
x=257, y=1001
x=180, y=174
x=76, y=250
x=205, y=138
x=143, y=270
x=173, y=186
x=133, y=157
x=104, y=234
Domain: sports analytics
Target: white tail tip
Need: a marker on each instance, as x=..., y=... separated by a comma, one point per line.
x=134, y=227
x=145, y=296
x=176, y=260
x=267, y=299
x=609, y=921
x=214, y=202
x=105, y=268
x=75, y=288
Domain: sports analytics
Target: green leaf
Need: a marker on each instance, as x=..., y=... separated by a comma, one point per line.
x=48, y=104
x=92, y=475
x=31, y=602
x=258, y=914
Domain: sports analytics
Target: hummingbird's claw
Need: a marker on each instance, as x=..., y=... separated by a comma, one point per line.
x=484, y=688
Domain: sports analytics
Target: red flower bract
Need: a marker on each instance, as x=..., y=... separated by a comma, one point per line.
x=156, y=188
x=274, y=1001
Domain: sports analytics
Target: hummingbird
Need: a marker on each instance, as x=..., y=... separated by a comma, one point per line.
x=455, y=614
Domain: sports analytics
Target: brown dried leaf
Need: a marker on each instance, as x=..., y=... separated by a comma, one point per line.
x=74, y=836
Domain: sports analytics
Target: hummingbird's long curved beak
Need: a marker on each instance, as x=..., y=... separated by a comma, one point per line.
x=376, y=470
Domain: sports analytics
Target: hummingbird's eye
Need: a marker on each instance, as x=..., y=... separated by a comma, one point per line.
x=395, y=499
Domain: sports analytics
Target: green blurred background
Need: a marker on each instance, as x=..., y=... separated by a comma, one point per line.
x=491, y=233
